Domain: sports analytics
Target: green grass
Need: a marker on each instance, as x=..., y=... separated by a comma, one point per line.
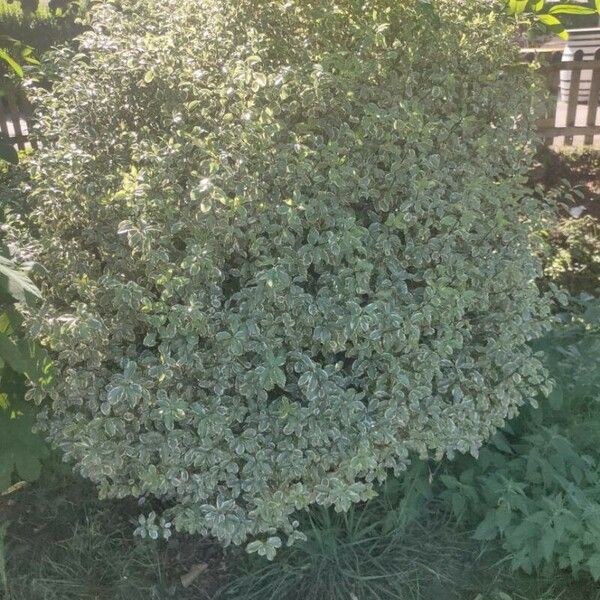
x=344, y=560
x=433, y=559
x=62, y=543
x=90, y=563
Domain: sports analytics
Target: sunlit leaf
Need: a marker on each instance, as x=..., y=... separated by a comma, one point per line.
x=570, y=9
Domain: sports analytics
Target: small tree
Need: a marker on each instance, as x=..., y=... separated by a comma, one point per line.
x=287, y=245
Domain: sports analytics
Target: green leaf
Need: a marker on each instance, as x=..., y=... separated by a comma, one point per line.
x=549, y=20
x=570, y=9
x=279, y=377
x=11, y=62
x=594, y=565
x=271, y=547
x=149, y=76
x=486, y=530
x=15, y=283
x=27, y=56
x=261, y=79
x=516, y=7
x=254, y=546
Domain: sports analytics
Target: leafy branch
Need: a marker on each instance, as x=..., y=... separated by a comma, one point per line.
x=549, y=16
x=20, y=359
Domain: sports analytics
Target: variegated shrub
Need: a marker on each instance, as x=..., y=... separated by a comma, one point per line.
x=287, y=245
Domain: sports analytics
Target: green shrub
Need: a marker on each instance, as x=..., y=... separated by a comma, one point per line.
x=286, y=245
x=21, y=450
x=537, y=488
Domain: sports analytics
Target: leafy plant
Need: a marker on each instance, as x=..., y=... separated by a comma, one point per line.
x=13, y=53
x=20, y=359
x=574, y=260
x=284, y=254
x=548, y=14
x=537, y=486
x=20, y=449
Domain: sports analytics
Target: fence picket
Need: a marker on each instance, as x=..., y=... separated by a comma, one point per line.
x=15, y=114
x=551, y=66
x=593, y=101
x=573, y=99
x=3, y=119
x=27, y=113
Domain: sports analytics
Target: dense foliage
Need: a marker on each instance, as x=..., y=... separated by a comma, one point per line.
x=531, y=501
x=286, y=245
x=570, y=246
x=552, y=15
x=20, y=449
x=575, y=258
x=537, y=486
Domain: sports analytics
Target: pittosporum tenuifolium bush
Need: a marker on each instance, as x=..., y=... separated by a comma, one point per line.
x=286, y=245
